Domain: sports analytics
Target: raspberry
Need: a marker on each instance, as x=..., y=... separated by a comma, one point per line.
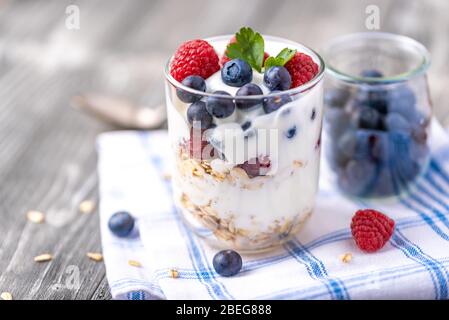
x=256, y=167
x=301, y=68
x=371, y=229
x=195, y=57
x=224, y=58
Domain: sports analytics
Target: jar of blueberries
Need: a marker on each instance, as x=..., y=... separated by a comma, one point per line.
x=378, y=113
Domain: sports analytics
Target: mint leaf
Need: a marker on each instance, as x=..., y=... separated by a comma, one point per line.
x=281, y=59
x=272, y=61
x=249, y=46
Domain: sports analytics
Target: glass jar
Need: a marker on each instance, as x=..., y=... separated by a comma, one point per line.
x=248, y=181
x=378, y=113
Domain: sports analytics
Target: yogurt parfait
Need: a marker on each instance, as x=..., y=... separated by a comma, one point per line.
x=245, y=117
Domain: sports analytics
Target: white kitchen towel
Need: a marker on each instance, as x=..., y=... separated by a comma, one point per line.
x=414, y=264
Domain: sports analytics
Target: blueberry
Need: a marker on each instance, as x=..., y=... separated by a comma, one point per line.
x=313, y=115
x=236, y=73
x=395, y=122
x=336, y=97
x=358, y=177
x=194, y=82
x=271, y=104
x=121, y=224
x=368, y=118
x=220, y=107
x=246, y=125
x=227, y=263
x=384, y=185
x=277, y=78
x=402, y=100
x=373, y=97
x=347, y=143
x=366, y=140
x=249, y=89
x=337, y=121
x=419, y=124
x=291, y=132
x=197, y=112
x=371, y=73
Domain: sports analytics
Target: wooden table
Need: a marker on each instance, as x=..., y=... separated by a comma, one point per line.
x=47, y=149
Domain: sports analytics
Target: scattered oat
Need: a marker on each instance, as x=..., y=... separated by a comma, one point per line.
x=35, y=216
x=346, y=257
x=298, y=163
x=95, y=256
x=134, y=263
x=43, y=257
x=173, y=273
x=166, y=176
x=87, y=206
x=6, y=296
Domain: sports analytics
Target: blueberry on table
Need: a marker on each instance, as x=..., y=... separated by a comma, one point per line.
x=194, y=82
x=236, y=73
x=336, y=97
x=249, y=89
x=121, y=224
x=227, y=263
x=277, y=78
x=220, y=107
x=272, y=104
x=371, y=73
x=197, y=112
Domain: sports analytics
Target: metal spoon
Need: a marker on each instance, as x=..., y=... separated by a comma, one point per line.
x=120, y=112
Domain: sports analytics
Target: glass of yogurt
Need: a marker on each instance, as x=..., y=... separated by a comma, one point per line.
x=246, y=147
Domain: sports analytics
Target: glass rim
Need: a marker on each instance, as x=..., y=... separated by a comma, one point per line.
x=401, y=77
x=302, y=88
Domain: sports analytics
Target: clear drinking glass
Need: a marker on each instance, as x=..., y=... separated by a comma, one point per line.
x=249, y=181
x=378, y=112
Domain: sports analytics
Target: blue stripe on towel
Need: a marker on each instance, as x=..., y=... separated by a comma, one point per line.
x=316, y=269
x=213, y=287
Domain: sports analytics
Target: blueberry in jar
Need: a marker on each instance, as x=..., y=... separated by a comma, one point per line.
x=336, y=97
x=358, y=177
x=395, y=122
x=375, y=97
x=236, y=73
x=371, y=73
x=368, y=118
x=273, y=103
x=220, y=107
x=402, y=100
x=121, y=224
x=227, y=263
x=194, y=82
x=197, y=113
x=249, y=89
x=277, y=78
